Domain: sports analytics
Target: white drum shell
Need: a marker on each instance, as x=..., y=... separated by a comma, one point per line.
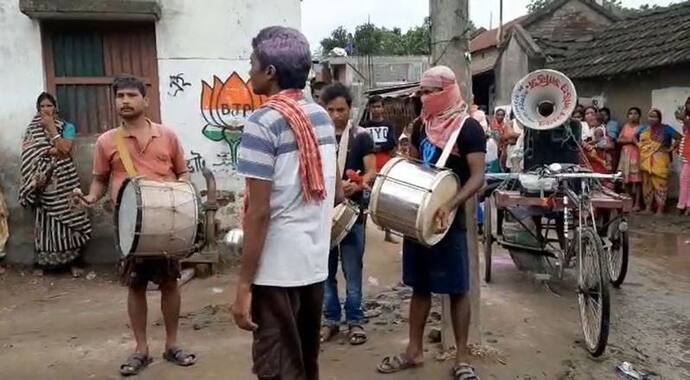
x=344, y=217
x=406, y=196
x=157, y=218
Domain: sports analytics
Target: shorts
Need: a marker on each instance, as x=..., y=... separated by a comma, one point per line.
x=137, y=272
x=441, y=269
x=286, y=344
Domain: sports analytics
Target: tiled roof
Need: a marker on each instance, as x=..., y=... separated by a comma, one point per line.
x=654, y=39
x=488, y=38
x=559, y=49
x=555, y=5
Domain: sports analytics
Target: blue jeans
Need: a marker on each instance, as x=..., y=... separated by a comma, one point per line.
x=351, y=254
x=480, y=213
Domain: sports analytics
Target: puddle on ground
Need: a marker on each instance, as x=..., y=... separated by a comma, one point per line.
x=670, y=250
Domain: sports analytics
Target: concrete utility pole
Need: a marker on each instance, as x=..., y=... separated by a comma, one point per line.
x=450, y=42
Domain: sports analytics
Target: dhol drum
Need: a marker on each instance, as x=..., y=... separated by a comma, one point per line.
x=407, y=195
x=344, y=217
x=157, y=218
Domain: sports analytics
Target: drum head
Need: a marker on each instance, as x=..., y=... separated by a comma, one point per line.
x=128, y=218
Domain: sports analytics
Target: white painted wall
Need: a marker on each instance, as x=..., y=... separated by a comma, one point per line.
x=668, y=101
x=198, y=39
x=21, y=76
x=200, y=42
x=512, y=66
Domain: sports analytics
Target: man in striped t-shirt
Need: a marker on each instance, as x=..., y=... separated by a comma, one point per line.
x=287, y=156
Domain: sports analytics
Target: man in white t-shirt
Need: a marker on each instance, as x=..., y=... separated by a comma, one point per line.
x=287, y=156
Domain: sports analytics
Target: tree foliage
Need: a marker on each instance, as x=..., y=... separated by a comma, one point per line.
x=338, y=38
x=369, y=39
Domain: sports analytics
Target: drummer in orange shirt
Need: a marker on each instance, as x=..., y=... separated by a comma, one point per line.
x=156, y=153
x=385, y=139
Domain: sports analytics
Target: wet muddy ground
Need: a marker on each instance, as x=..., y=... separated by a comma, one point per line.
x=59, y=328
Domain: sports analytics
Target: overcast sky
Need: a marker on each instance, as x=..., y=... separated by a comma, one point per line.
x=320, y=17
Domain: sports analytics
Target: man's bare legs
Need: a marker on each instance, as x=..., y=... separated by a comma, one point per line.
x=137, y=310
x=460, y=311
x=170, y=307
x=419, y=312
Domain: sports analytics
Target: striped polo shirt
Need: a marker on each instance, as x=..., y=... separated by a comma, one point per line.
x=298, y=240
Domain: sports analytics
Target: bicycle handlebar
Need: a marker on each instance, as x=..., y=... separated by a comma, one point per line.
x=504, y=176
x=613, y=177
x=501, y=176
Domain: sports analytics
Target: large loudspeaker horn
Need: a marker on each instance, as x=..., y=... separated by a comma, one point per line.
x=544, y=99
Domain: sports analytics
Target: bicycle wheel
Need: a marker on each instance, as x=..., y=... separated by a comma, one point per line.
x=488, y=238
x=617, y=260
x=593, y=292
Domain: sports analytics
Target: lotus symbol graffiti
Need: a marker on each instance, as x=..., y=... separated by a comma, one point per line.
x=225, y=107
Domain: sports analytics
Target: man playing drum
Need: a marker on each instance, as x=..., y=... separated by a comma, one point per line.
x=443, y=268
x=154, y=153
x=287, y=156
x=357, y=162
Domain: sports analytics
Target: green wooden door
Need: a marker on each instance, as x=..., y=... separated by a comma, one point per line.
x=82, y=58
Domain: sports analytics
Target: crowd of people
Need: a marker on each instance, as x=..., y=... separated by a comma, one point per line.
x=300, y=158
x=642, y=148
x=362, y=152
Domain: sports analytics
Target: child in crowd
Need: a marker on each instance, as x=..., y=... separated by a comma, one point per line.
x=597, y=152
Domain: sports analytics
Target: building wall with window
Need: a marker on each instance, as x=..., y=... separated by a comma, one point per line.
x=194, y=60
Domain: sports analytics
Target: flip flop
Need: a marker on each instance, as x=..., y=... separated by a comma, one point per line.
x=356, y=335
x=328, y=332
x=464, y=371
x=179, y=356
x=134, y=364
x=396, y=363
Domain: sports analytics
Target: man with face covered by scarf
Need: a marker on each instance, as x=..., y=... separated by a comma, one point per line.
x=443, y=268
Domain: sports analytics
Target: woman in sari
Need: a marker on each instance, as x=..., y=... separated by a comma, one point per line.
x=48, y=179
x=497, y=131
x=657, y=141
x=629, y=162
x=684, y=193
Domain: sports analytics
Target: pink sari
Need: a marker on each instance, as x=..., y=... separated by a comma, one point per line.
x=629, y=163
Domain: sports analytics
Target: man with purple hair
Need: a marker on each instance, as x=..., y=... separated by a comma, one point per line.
x=287, y=156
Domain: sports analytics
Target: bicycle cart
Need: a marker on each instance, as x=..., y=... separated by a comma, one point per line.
x=572, y=220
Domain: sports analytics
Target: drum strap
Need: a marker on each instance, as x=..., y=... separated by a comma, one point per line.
x=124, y=153
x=344, y=147
x=441, y=163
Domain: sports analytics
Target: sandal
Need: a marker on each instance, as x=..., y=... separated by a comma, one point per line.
x=357, y=335
x=134, y=364
x=328, y=332
x=76, y=272
x=397, y=363
x=464, y=371
x=179, y=356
